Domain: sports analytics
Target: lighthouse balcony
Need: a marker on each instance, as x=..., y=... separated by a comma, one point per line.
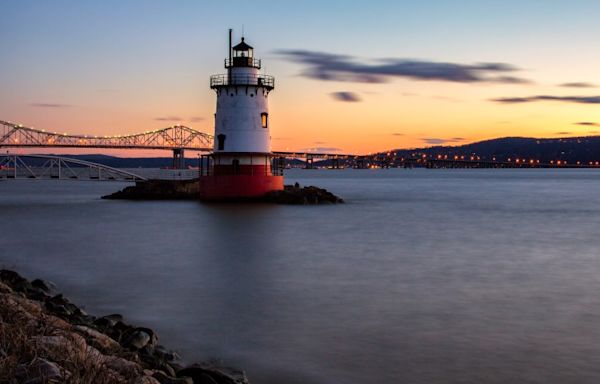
x=225, y=80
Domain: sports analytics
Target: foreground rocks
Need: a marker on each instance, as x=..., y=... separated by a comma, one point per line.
x=189, y=190
x=44, y=338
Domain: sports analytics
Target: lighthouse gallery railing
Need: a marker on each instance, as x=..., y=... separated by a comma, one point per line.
x=224, y=80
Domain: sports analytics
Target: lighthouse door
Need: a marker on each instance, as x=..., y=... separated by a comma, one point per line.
x=221, y=142
x=236, y=166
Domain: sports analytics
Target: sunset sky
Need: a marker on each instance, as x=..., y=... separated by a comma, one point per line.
x=359, y=76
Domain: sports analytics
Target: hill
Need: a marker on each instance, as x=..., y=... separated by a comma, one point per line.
x=572, y=149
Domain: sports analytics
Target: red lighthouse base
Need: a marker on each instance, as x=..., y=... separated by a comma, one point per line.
x=239, y=176
x=232, y=187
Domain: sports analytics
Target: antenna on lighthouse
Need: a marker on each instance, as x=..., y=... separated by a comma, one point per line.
x=230, y=50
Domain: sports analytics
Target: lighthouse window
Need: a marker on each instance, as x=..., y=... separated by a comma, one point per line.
x=264, y=119
x=221, y=142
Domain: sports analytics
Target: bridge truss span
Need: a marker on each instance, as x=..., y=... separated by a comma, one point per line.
x=175, y=137
x=59, y=168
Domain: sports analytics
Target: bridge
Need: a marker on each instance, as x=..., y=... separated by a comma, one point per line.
x=177, y=138
x=59, y=168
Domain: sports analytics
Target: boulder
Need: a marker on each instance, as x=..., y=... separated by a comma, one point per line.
x=97, y=339
x=61, y=347
x=295, y=195
x=45, y=286
x=4, y=288
x=208, y=373
x=137, y=339
x=15, y=281
x=165, y=379
x=38, y=371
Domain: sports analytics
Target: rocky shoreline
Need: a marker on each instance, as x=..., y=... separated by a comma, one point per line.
x=189, y=190
x=44, y=338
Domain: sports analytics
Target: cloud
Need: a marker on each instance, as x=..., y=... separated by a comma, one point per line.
x=345, y=96
x=328, y=66
x=321, y=149
x=577, y=85
x=50, y=105
x=563, y=133
x=437, y=141
x=168, y=118
x=196, y=119
x=398, y=134
x=566, y=99
x=588, y=124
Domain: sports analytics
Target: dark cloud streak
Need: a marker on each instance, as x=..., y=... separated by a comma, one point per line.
x=168, y=118
x=438, y=141
x=577, y=85
x=566, y=99
x=50, y=105
x=345, y=96
x=327, y=66
x=588, y=124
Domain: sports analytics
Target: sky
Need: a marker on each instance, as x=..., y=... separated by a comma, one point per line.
x=351, y=76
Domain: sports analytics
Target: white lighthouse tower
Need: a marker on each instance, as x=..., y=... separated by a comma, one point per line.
x=241, y=163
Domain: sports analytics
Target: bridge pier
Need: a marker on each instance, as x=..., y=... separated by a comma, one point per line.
x=359, y=162
x=309, y=162
x=335, y=163
x=178, y=158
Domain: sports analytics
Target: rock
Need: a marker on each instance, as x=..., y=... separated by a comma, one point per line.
x=207, y=373
x=61, y=347
x=105, y=322
x=165, y=354
x=165, y=379
x=46, y=286
x=97, y=339
x=38, y=371
x=138, y=339
x=146, y=380
x=60, y=306
x=294, y=195
x=15, y=281
x=159, y=190
x=121, y=365
x=4, y=288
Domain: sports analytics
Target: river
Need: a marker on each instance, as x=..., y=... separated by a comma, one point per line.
x=423, y=276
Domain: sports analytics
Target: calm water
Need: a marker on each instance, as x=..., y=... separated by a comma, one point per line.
x=424, y=276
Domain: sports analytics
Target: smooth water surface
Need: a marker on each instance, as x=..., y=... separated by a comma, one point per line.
x=424, y=276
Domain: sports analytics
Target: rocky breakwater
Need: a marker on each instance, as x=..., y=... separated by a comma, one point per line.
x=189, y=190
x=296, y=195
x=44, y=338
x=159, y=190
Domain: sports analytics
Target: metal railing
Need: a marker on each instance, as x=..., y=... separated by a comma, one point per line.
x=243, y=62
x=272, y=167
x=224, y=80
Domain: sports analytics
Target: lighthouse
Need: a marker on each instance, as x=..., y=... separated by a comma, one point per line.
x=241, y=165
